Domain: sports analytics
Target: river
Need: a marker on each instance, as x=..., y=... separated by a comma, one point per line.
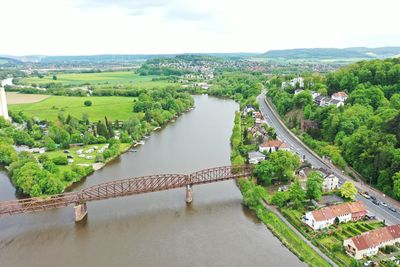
x=154, y=229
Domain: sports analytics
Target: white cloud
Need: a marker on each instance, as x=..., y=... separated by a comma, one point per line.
x=177, y=26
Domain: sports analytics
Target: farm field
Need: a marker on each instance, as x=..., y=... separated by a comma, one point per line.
x=118, y=77
x=16, y=98
x=113, y=107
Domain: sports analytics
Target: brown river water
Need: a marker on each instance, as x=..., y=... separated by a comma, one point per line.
x=154, y=229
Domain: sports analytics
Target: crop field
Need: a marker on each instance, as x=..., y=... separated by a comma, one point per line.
x=113, y=107
x=118, y=77
x=15, y=98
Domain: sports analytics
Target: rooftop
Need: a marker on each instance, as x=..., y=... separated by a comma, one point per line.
x=375, y=237
x=330, y=212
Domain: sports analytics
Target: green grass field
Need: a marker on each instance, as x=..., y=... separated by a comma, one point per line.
x=120, y=77
x=113, y=107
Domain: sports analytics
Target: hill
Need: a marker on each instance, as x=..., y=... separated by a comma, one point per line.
x=333, y=53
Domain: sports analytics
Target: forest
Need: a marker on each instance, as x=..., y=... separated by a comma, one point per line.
x=365, y=132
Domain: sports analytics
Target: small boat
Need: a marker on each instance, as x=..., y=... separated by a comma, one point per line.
x=146, y=137
x=141, y=143
x=132, y=150
x=157, y=128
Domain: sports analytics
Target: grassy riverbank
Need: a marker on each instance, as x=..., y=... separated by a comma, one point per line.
x=253, y=195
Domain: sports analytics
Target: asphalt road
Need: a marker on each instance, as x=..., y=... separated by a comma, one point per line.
x=297, y=146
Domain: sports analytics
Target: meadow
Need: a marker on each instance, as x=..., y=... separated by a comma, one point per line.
x=117, y=77
x=16, y=98
x=114, y=107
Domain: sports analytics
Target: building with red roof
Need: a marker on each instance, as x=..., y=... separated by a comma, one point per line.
x=325, y=217
x=369, y=243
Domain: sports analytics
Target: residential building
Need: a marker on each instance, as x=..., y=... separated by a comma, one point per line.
x=273, y=145
x=330, y=182
x=341, y=96
x=325, y=217
x=298, y=91
x=3, y=104
x=368, y=243
x=256, y=157
x=294, y=82
x=335, y=102
x=314, y=95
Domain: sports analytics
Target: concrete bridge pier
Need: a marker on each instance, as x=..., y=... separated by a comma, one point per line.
x=80, y=211
x=189, y=193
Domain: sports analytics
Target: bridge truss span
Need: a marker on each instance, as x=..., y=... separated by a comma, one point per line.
x=125, y=187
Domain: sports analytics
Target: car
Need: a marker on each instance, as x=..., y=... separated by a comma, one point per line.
x=367, y=263
x=392, y=209
x=375, y=202
x=383, y=204
x=373, y=198
x=365, y=194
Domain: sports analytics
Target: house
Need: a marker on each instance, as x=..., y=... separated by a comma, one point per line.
x=335, y=102
x=293, y=83
x=330, y=182
x=258, y=116
x=273, y=145
x=325, y=101
x=256, y=157
x=298, y=91
x=248, y=110
x=368, y=243
x=314, y=95
x=340, y=96
x=318, y=99
x=325, y=217
x=258, y=133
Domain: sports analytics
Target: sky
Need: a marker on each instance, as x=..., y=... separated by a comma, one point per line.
x=88, y=27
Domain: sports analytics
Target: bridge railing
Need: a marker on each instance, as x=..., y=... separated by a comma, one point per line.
x=125, y=187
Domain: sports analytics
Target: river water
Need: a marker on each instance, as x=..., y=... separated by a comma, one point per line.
x=154, y=229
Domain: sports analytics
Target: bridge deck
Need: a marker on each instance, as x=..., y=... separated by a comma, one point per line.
x=125, y=187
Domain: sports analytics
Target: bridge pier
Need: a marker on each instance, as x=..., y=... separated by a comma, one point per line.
x=80, y=211
x=189, y=193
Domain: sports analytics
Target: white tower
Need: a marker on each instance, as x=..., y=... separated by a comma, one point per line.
x=3, y=104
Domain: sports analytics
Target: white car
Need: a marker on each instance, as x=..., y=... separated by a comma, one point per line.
x=384, y=204
x=367, y=263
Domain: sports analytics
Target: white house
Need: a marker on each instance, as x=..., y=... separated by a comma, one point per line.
x=340, y=96
x=325, y=217
x=335, y=102
x=256, y=157
x=368, y=243
x=331, y=182
x=273, y=145
x=314, y=95
x=294, y=82
x=298, y=91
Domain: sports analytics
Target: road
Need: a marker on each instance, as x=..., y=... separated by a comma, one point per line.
x=297, y=146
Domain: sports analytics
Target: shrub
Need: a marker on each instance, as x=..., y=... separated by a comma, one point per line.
x=87, y=103
x=60, y=160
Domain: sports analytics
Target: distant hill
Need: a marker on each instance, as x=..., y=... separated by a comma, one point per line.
x=333, y=53
x=6, y=61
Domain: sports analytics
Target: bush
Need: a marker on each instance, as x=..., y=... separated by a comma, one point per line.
x=99, y=158
x=60, y=160
x=87, y=103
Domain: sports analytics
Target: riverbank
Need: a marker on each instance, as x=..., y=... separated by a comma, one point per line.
x=254, y=195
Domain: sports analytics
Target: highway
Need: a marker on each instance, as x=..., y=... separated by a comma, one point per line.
x=297, y=146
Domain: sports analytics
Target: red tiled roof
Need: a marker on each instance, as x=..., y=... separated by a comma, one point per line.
x=274, y=143
x=331, y=212
x=340, y=94
x=375, y=237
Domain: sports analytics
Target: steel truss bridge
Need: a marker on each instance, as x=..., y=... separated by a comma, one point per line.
x=125, y=187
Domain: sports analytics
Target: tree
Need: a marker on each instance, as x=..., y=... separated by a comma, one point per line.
x=396, y=185
x=102, y=129
x=49, y=144
x=7, y=154
x=297, y=194
x=314, y=185
x=280, y=198
x=54, y=77
x=87, y=103
x=348, y=190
